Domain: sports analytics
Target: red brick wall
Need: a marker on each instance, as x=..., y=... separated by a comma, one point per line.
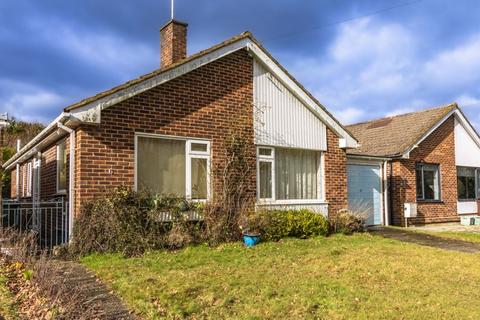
x=438, y=148
x=205, y=103
x=48, y=174
x=335, y=175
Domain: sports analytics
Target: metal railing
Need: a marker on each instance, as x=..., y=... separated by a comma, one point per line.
x=48, y=220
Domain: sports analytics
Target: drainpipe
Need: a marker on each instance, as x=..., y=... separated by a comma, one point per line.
x=71, y=185
x=385, y=194
x=17, y=171
x=391, y=192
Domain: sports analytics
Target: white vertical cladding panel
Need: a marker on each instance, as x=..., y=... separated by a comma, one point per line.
x=467, y=152
x=281, y=119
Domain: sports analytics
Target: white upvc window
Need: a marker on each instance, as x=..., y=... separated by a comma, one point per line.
x=287, y=175
x=29, y=180
x=266, y=173
x=173, y=166
x=61, y=167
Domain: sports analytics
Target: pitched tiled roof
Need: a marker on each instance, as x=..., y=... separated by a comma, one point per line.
x=156, y=72
x=393, y=136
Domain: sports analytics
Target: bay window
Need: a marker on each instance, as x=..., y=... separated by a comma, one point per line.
x=288, y=174
x=466, y=185
x=428, y=182
x=172, y=166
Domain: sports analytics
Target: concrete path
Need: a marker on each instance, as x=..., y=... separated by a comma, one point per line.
x=426, y=239
x=90, y=293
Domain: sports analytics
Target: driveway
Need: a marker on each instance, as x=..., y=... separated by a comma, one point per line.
x=408, y=235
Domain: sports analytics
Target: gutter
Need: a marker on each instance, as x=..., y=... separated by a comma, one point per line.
x=29, y=148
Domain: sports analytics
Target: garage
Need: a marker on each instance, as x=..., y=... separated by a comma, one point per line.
x=365, y=191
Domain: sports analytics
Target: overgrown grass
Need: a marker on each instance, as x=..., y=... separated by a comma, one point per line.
x=340, y=277
x=7, y=303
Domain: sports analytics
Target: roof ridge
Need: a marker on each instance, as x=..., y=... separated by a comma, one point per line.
x=445, y=106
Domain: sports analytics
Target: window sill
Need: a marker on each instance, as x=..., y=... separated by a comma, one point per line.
x=291, y=202
x=467, y=200
x=430, y=202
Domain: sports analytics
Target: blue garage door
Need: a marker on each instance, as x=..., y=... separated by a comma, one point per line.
x=364, y=191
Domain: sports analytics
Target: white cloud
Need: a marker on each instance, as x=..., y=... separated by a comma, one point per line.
x=349, y=115
x=30, y=103
x=456, y=66
x=382, y=69
x=468, y=101
x=104, y=50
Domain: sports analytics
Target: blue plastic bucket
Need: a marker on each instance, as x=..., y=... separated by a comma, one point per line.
x=251, y=240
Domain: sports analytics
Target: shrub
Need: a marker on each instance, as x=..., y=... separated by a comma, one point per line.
x=348, y=222
x=128, y=222
x=277, y=224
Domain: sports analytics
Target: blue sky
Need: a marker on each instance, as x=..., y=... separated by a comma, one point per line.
x=362, y=59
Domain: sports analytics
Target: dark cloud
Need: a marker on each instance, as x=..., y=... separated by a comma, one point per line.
x=405, y=54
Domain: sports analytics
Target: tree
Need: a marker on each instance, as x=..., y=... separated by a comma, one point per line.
x=8, y=143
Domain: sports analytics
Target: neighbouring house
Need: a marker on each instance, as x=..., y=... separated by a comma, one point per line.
x=165, y=131
x=3, y=120
x=429, y=158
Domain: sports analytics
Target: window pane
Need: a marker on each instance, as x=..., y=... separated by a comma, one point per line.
x=161, y=166
x=265, y=180
x=62, y=167
x=199, y=147
x=471, y=188
x=431, y=182
x=419, y=184
x=265, y=152
x=199, y=178
x=462, y=187
x=296, y=174
x=478, y=182
x=466, y=183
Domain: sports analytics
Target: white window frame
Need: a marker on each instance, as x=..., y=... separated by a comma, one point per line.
x=268, y=159
x=189, y=155
x=60, y=191
x=29, y=179
x=273, y=200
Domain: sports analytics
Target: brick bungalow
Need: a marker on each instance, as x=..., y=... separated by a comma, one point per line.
x=165, y=130
x=430, y=159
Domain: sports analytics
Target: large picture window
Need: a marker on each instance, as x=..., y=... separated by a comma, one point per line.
x=428, y=182
x=466, y=186
x=172, y=166
x=288, y=174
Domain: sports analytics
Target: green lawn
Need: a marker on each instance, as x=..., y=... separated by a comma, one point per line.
x=357, y=277
x=7, y=305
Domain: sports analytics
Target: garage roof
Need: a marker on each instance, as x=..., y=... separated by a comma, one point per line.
x=397, y=135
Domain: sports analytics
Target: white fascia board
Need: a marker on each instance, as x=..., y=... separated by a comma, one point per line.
x=35, y=141
x=461, y=119
x=406, y=154
x=346, y=140
x=94, y=108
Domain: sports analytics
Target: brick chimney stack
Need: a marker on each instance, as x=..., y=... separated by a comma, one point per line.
x=173, y=43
